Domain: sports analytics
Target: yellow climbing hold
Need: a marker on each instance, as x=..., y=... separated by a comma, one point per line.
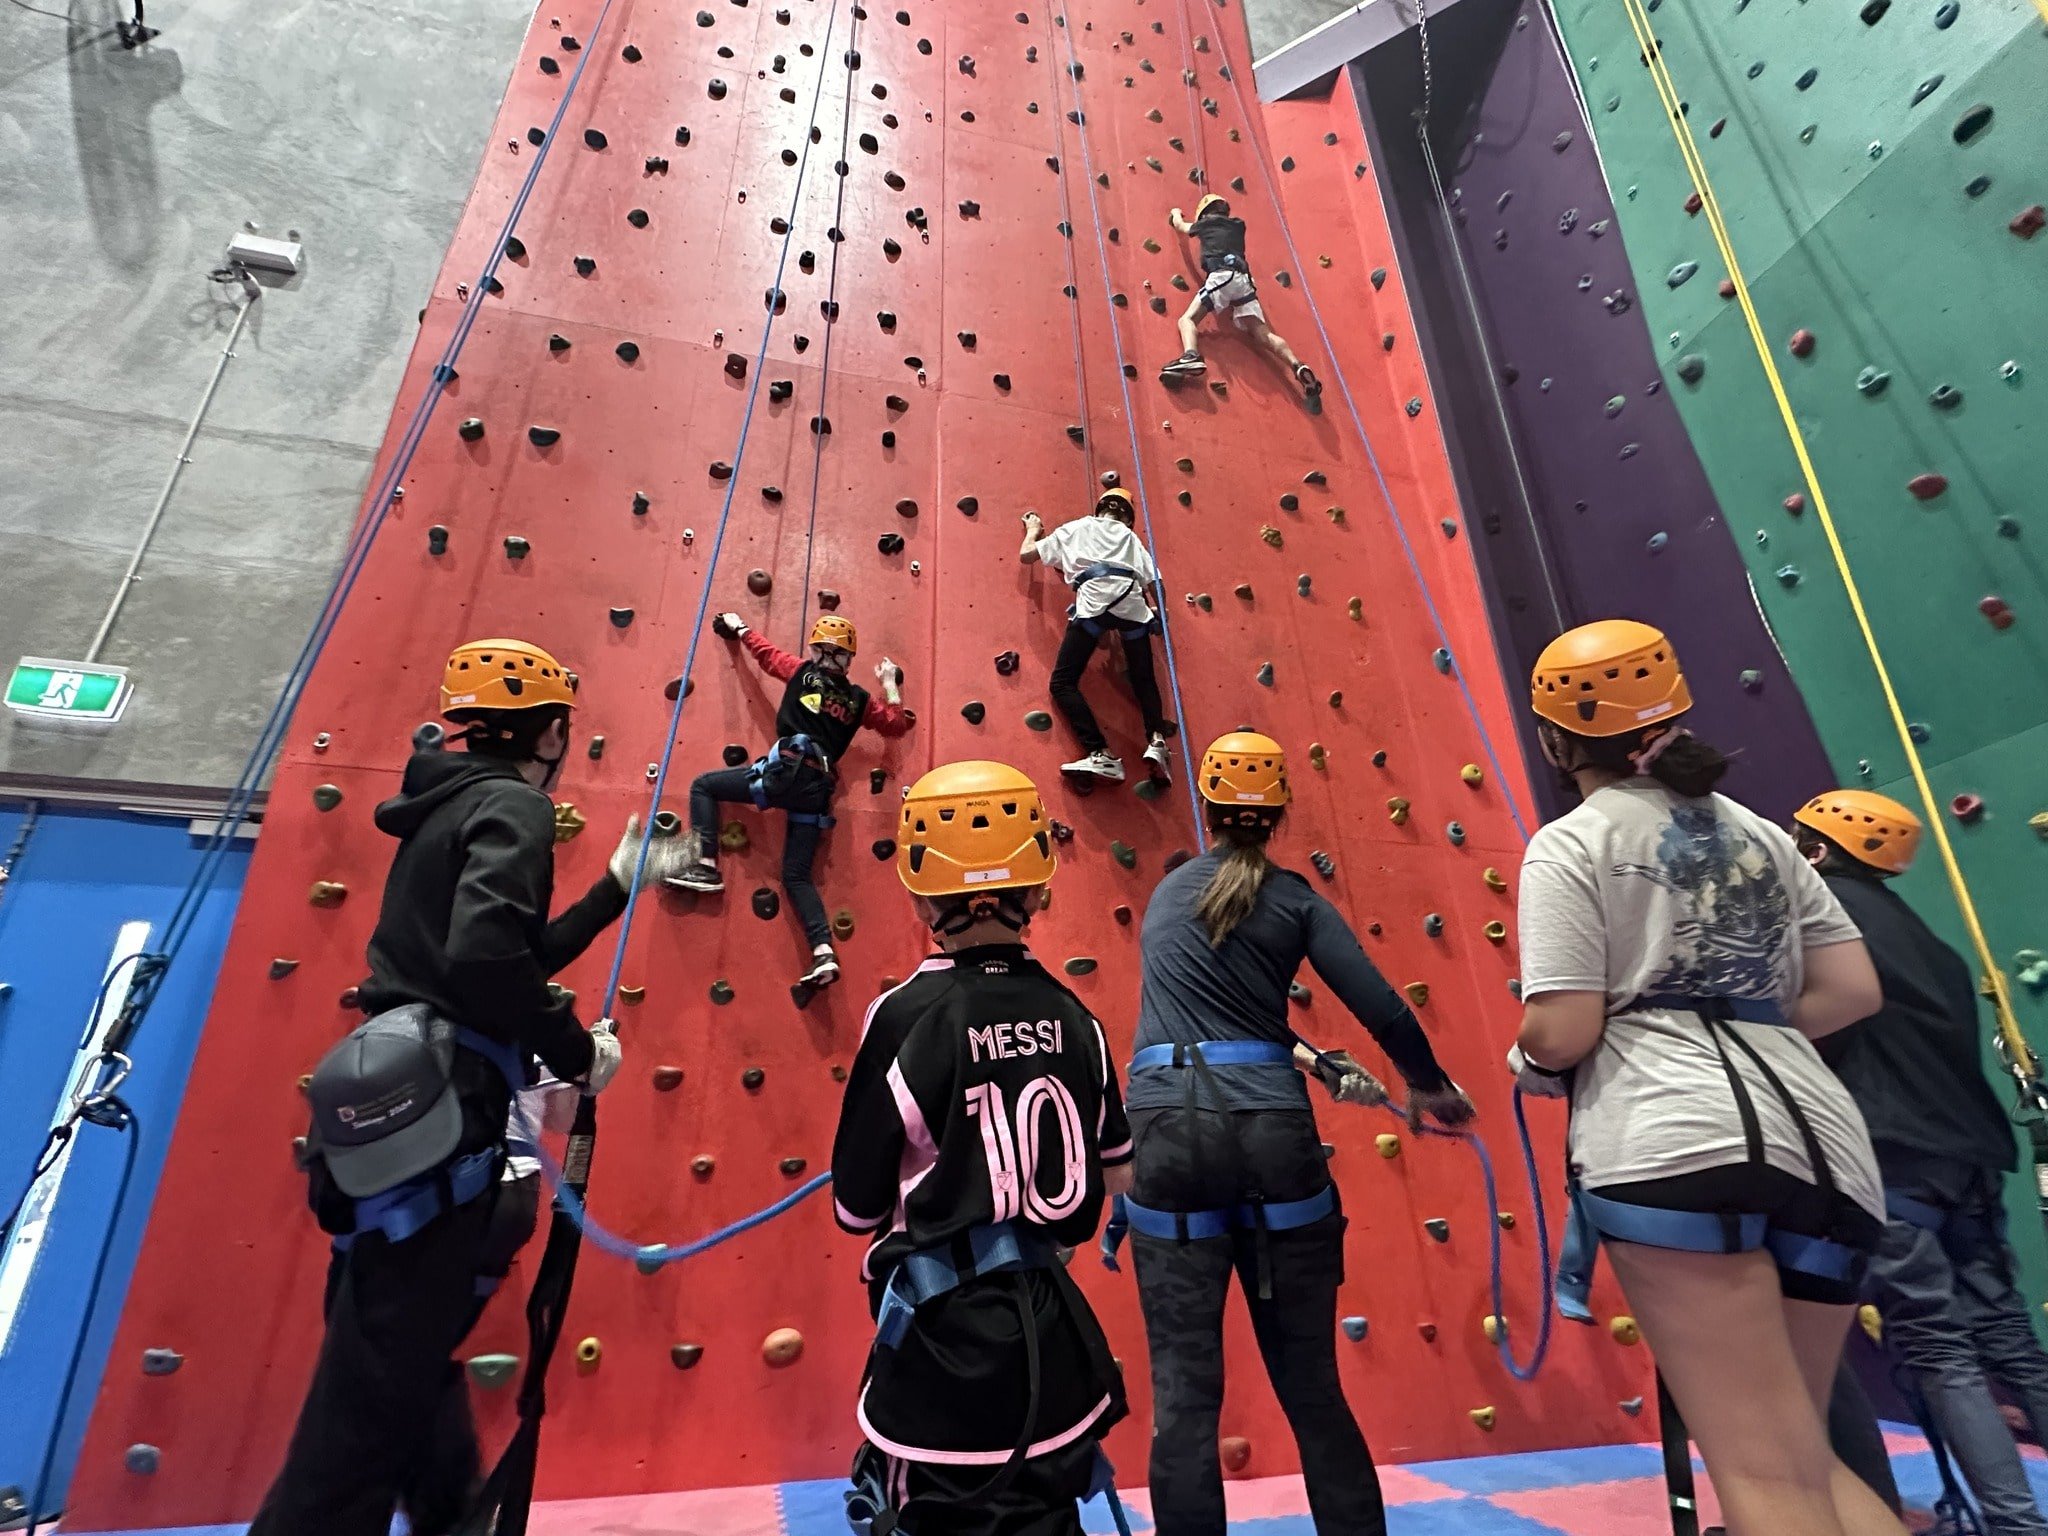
x=632, y=994
x=1388, y=1143
x=1471, y=773
x=1494, y=1326
x=1873, y=1325
x=568, y=822
x=1506, y=1220
x=1356, y=608
x=1493, y=879
x=1318, y=755
x=589, y=1351
x=1335, y=515
x=1397, y=811
x=1418, y=992
x=1483, y=1417
x=1625, y=1330
x=1270, y=534
x=1496, y=933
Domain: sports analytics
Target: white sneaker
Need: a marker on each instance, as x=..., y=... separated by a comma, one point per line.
x=1101, y=765
x=1159, y=761
x=701, y=877
x=824, y=968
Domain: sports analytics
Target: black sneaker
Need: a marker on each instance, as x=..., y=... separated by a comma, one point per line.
x=1184, y=366
x=702, y=878
x=823, y=972
x=1311, y=386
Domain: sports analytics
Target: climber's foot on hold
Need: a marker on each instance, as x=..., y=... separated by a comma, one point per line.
x=1096, y=765
x=824, y=969
x=1186, y=366
x=1305, y=376
x=1159, y=761
x=701, y=877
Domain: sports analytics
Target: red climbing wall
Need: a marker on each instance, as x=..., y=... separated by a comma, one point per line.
x=229, y=1274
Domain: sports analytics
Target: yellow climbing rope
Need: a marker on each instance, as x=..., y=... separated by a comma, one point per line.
x=2022, y=1056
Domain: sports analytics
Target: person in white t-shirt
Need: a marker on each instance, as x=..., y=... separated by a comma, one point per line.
x=1111, y=573
x=1679, y=957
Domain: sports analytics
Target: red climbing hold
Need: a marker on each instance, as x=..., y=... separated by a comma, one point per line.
x=1795, y=503
x=1801, y=344
x=1966, y=807
x=1927, y=487
x=1996, y=610
x=2029, y=222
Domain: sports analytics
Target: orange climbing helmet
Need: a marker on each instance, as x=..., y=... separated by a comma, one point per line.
x=1245, y=770
x=831, y=629
x=973, y=827
x=1871, y=828
x=503, y=674
x=1210, y=200
x=1119, y=504
x=1608, y=678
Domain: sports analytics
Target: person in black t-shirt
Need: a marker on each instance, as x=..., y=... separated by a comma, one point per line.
x=1230, y=1175
x=821, y=710
x=1227, y=288
x=1943, y=1276
x=981, y=1130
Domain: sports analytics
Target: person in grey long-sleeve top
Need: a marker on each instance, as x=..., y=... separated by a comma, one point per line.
x=1229, y=1173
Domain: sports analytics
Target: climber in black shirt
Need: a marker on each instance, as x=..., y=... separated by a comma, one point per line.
x=1227, y=288
x=980, y=1132
x=821, y=710
x=1230, y=1174
x=1944, y=1276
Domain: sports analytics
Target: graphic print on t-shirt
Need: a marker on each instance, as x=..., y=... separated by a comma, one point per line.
x=1728, y=938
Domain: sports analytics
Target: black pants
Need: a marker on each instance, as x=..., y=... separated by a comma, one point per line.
x=386, y=1420
x=1042, y=1498
x=1072, y=661
x=1192, y=1159
x=807, y=792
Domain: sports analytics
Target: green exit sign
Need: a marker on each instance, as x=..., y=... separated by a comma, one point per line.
x=67, y=690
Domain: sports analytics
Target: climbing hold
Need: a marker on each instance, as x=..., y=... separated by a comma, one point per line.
x=1971, y=123
x=1397, y=811
x=1679, y=274
x=1788, y=575
x=1432, y=925
x=621, y=617
x=1493, y=1326
x=1632, y=1406
x=594, y=138
x=1455, y=831
x=721, y=991
x=1928, y=486
x=1441, y=659
x=589, y=1351
x=973, y=711
x=1795, y=503
x=1324, y=864
x=1355, y=609
x=328, y=893
x=890, y=543
x=1806, y=79
x=1038, y=720
x=906, y=507
x=1438, y=1228
x=716, y=90
x=1996, y=610
x=1265, y=674
x=842, y=924
x=790, y=1167
x=568, y=822
x=1355, y=1329
x=1270, y=535
x=1418, y=992
x=1495, y=881
x=1235, y=1452
x=1802, y=343
x=1691, y=368
x=1472, y=774
x=471, y=429
x=759, y=582
x=1080, y=965
x=161, y=1362
x=1124, y=854
x=1873, y=381
x=1945, y=397
x=2029, y=222
x=782, y=1347
x=1496, y=932
x=1624, y=1330
x=1483, y=1417
x=142, y=1460
x=1388, y=1143
x=326, y=797
x=584, y=265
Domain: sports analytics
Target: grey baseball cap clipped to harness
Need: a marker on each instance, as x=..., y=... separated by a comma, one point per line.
x=384, y=1105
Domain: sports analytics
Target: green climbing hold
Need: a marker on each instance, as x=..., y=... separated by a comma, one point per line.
x=490, y=1371
x=1678, y=276
x=1124, y=854
x=326, y=797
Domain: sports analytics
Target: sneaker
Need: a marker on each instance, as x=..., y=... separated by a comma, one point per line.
x=1186, y=363
x=1099, y=765
x=1159, y=761
x=1311, y=386
x=701, y=877
x=824, y=968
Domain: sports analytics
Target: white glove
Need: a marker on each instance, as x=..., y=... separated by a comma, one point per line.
x=1347, y=1081
x=666, y=857
x=604, y=1059
x=730, y=625
x=1534, y=1081
x=888, y=674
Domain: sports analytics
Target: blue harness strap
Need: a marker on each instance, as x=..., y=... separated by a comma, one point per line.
x=792, y=750
x=1107, y=569
x=1217, y=1053
x=932, y=1272
x=1745, y=1010
x=403, y=1210
x=502, y=1054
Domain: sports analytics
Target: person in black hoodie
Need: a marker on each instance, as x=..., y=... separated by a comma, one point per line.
x=1943, y=1276
x=463, y=942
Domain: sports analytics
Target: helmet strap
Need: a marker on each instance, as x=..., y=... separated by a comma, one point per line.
x=960, y=913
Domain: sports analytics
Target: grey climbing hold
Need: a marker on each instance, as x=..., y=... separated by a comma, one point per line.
x=1806, y=79
x=490, y=1371
x=1945, y=14
x=1657, y=541
x=1788, y=575
x=1456, y=833
x=1919, y=731
x=1752, y=680
x=1926, y=88
x=1945, y=397
x=1355, y=1329
x=1433, y=925
x=1265, y=676
x=1038, y=720
x=1414, y=405
x=1440, y=658
x=1379, y=277
x=161, y=1362
x=1691, y=368
x=142, y=1460
x=1325, y=865
x=437, y=540
x=1297, y=993
x=1679, y=274
x=1873, y=381
x=1614, y=405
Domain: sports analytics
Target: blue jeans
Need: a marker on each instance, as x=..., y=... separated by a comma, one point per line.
x=807, y=792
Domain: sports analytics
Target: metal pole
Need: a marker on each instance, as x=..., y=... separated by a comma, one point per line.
x=156, y=516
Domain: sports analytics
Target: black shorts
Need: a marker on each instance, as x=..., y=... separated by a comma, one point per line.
x=1792, y=1204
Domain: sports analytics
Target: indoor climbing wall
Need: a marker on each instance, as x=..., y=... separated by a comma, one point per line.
x=806, y=307
x=1882, y=173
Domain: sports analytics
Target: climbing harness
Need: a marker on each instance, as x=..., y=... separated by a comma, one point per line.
x=2019, y=1056
x=921, y=1277
x=1102, y=570
x=776, y=769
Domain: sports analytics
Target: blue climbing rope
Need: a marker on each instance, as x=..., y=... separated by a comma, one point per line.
x=835, y=237
x=1131, y=424
x=1258, y=154
x=652, y=1256
x=675, y=719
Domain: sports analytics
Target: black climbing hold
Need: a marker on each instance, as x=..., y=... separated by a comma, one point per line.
x=969, y=505
x=1077, y=434
x=973, y=711
x=437, y=540
x=515, y=248
x=1873, y=11
x=896, y=403
x=516, y=547
x=886, y=319
x=536, y=136
x=1926, y=88
x=906, y=507
x=570, y=45
x=683, y=135
x=924, y=46
x=1691, y=368
x=821, y=426
x=890, y=543
x=543, y=437
x=717, y=90
x=888, y=439
x=736, y=365
x=585, y=265
x=621, y=617
x=1946, y=13
x=720, y=470
x=548, y=66
x=1972, y=123
x=891, y=249
x=630, y=54
x=883, y=848
x=970, y=209
x=1007, y=663
x=628, y=351
x=654, y=164
x=967, y=339
x=734, y=754
x=878, y=780
x=781, y=389
x=1806, y=79
x=595, y=138
x=640, y=503
x=870, y=143
x=1946, y=397
x=771, y=493
x=1978, y=186
x=471, y=429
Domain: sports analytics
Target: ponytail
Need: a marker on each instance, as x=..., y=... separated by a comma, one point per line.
x=1677, y=759
x=1233, y=890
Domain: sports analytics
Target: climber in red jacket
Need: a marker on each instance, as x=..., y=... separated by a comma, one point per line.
x=815, y=724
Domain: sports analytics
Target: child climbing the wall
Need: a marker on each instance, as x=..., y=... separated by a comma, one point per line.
x=1679, y=959
x=407, y=1149
x=1110, y=570
x=1230, y=1175
x=1944, y=1276
x=980, y=1131
x=821, y=710
x=1227, y=288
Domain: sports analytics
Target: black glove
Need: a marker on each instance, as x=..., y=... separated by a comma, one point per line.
x=728, y=626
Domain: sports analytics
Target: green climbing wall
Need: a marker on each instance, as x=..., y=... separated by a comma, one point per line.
x=1873, y=205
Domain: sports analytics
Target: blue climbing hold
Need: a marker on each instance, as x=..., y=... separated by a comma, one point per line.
x=1442, y=658
x=1678, y=275
x=1658, y=541
x=1456, y=833
x=650, y=1259
x=1355, y=1328
x=1945, y=16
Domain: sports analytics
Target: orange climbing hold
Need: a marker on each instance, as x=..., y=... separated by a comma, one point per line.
x=782, y=1347
x=1235, y=1451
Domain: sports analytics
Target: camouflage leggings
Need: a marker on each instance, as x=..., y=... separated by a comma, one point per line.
x=1190, y=1160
